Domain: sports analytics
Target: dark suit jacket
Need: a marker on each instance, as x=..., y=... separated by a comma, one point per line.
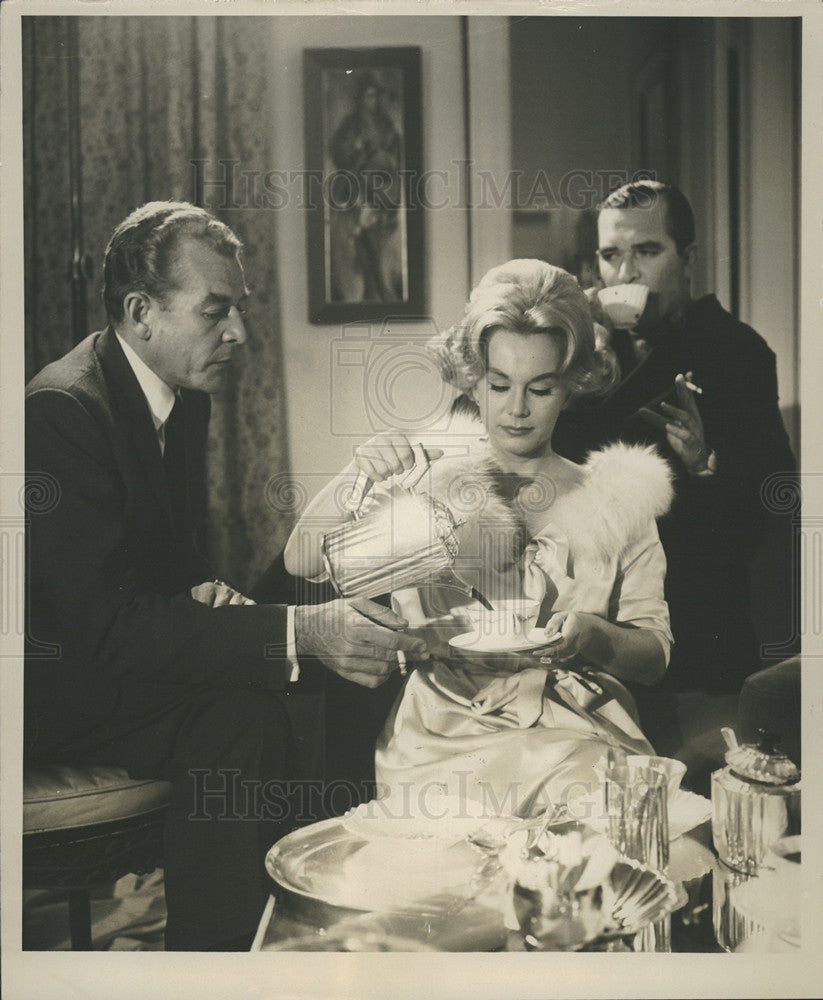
x=108, y=575
x=715, y=523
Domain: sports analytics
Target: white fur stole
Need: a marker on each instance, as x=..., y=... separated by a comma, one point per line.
x=626, y=487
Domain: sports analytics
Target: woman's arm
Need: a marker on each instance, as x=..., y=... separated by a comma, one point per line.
x=628, y=652
x=383, y=456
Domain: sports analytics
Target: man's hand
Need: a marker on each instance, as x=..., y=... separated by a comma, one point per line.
x=357, y=640
x=215, y=593
x=683, y=426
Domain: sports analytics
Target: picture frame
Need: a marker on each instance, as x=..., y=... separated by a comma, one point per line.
x=364, y=224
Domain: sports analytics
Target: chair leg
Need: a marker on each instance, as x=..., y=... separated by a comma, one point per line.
x=80, y=919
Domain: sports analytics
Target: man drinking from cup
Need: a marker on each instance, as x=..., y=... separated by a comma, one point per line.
x=702, y=387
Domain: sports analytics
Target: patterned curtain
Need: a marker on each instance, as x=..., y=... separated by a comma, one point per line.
x=163, y=107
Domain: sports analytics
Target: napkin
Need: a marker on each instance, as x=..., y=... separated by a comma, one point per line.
x=686, y=811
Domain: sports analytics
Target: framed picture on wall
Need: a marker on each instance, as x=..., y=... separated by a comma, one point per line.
x=364, y=223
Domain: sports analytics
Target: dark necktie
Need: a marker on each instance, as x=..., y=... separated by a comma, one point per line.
x=174, y=463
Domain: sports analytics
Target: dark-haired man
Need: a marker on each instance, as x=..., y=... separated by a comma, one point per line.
x=149, y=678
x=723, y=442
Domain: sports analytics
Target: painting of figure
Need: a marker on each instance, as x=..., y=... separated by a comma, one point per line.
x=363, y=113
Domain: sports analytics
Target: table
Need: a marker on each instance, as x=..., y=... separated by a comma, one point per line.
x=707, y=922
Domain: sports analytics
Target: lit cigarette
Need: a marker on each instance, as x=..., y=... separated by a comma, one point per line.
x=693, y=387
x=401, y=662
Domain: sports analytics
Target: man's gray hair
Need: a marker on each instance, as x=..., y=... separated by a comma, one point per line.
x=142, y=251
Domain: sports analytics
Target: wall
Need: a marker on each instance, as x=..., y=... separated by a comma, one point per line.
x=331, y=406
x=771, y=203
x=768, y=197
x=572, y=91
x=572, y=95
x=575, y=90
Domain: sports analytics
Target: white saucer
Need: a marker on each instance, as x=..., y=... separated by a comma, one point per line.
x=484, y=642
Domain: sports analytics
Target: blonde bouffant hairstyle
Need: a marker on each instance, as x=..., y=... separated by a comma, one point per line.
x=528, y=297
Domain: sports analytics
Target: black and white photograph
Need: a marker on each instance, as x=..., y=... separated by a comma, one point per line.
x=412, y=502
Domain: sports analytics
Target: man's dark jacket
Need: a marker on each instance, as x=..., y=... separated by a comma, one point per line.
x=109, y=576
x=715, y=523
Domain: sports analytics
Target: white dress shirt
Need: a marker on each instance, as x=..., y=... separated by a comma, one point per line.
x=160, y=397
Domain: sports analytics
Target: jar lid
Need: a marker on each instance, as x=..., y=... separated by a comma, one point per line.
x=762, y=762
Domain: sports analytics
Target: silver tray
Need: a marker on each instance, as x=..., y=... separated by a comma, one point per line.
x=327, y=873
x=456, y=907
x=353, y=941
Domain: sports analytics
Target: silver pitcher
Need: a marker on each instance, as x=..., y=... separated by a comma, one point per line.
x=404, y=541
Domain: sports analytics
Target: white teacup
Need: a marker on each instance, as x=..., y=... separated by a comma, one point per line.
x=624, y=304
x=509, y=619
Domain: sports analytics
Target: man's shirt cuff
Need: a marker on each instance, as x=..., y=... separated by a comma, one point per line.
x=711, y=466
x=292, y=666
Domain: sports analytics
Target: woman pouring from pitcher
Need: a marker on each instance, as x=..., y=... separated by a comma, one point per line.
x=513, y=723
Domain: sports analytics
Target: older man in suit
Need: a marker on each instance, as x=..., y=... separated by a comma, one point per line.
x=206, y=693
